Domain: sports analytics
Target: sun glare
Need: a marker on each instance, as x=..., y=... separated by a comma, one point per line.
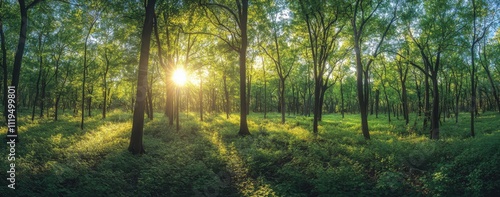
x=179, y=77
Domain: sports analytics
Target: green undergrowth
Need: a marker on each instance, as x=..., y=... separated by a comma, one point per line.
x=208, y=158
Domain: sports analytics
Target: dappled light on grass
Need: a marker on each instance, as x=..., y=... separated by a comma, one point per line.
x=101, y=140
x=239, y=174
x=209, y=159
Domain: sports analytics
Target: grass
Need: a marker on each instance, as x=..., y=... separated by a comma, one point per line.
x=209, y=159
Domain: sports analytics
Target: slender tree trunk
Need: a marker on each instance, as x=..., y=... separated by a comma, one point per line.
x=324, y=87
x=85, y=71
x=377, y=102
x=58, y=97
x=435, y=108
x=16, y=71
x=249, y=88
x=201, y=97
x=473, y=72
x=419, y=96
x=282, y=96
x=404, y=96
x=136, y=146
x=105, y=95
x=372, y=105
x=316, y=109
x=265, y=88
x=293, y=107
x=427, y=106
x=388, y=104
x=169, y=109
x=457, y=103
x=89, y=101
x=403, y=73
x=342, y=108
x=150, y=99
x=148, y=113
x=42, y=96
x=57, y=86
x=37, y=84
x=363, y=106
x=227, y=106
x=243, y=15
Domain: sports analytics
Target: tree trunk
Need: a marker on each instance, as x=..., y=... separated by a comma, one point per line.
x=170, y=89
x=388, y=104
x=150, y=100
x=419, y=96
x=404, y=97
x=282, y=102
x=105, y=95
x=42, y=96
x=227, y=106
x=324, y=87
x=37, y=82
x=201, y=97
x=427, y=106
x=16, y=71
x=360, y=89
x=342, y=109
x=473, y=71
x=147, y=106
x=403, y=73
x=242, y=61
x=85, y=71
x=265, y=88
x=136, y=146
x=316, y=109
x=377, y=101
x=249, y=88
x=435, y=108
x=89, y=100
x=58, y=97
x=372, y=105
x=457, y=103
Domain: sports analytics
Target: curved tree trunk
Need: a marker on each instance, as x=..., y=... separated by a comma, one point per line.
x=18, y=58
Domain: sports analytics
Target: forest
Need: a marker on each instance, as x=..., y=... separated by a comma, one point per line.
x=250, y=97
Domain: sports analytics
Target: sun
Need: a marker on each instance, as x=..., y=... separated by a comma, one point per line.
x=179, y=77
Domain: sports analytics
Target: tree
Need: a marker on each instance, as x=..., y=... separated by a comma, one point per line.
x=136, y=146
x=485, y=63
x=478, y=33
x=282, y=55
x=363, y=12
x=18, y=58
x=220, y=15
x=437, y=33
x=402, y=69
x=94, y=17
x=324, y=24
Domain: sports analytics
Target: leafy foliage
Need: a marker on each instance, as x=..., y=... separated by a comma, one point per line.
x=209, y=159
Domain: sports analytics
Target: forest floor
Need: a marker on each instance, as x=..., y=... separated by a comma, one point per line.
x=209, y=159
